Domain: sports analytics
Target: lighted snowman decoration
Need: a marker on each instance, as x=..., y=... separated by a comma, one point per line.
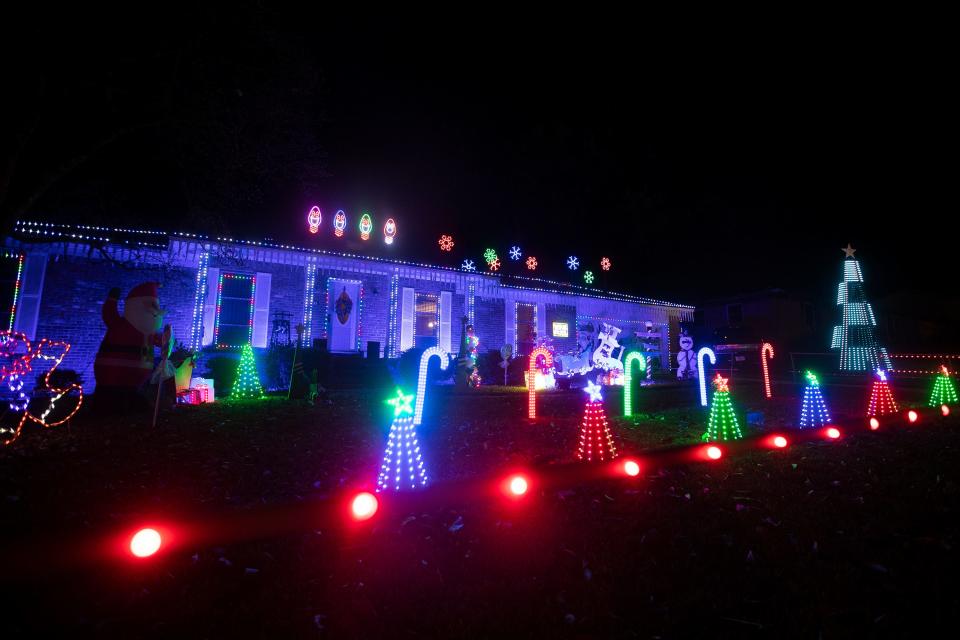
x=686, y=359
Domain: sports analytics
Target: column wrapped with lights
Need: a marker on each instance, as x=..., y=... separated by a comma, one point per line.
x=881, y=397
x=943, y=390
x=196, y=326
x=596, y=439
x=16, y=290
x=308, y=304
x=402, y=466
x=247, y=385
x=813, y=411
x=722, y=424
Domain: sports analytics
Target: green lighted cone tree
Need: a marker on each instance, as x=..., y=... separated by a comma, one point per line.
x=943, y=390
x=723, y=423
x=247, y=385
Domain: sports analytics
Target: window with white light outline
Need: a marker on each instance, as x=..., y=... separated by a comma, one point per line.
x=426, y=322
x=234, y=319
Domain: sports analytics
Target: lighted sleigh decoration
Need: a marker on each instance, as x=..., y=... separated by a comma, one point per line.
x=602, y=354
x=17, y=359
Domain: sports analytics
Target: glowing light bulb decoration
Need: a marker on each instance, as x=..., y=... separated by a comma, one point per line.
x=723, y=423
x=766, y=353
x=596, y=440
x=446, y=243
x=588, y=277
x=468, y=265
x=705, y=351
x=531, y=263
x=944, y=392
x=605, y=264
x=633, y=356
x=389, y=231
x=573, y=263
x=813, y=411
x=313, y=219
x=539, y=352
x=402, y=465
x=515, y=253
x=444, y=358
x=366, y=226
x=881, y=397
x=339, y=223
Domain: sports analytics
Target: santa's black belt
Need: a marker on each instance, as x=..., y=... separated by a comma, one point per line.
x=121, y=349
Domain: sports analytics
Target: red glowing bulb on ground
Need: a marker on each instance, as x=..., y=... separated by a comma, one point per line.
x=874, y=424
x=780, y=442
x=944, y=409
x=631, y=468
x=145, y=543
x=833, y=433
x=912, y=415
x=364, y=506
x=714, y=453
x=518, y=485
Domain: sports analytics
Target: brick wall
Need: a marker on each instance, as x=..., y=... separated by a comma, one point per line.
x=490, y=323
x=73, y=293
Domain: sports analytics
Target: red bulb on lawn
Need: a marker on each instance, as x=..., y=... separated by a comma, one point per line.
x=912, y=415
x=518, y=485
x=364, y=506
x=631, y=468
x=780, y=442
x=145, y=543
x=833, y=433
x=714, y=453
x=944, y=409
x=874, y=424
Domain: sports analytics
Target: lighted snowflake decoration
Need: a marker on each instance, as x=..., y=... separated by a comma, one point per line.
x=531, y=263
x=588, y=277
x=573, y=263
x=468, y=265
x=605, y=264
x=515, y=253
x=446, y=243
x=489, y=255
x=495, y=265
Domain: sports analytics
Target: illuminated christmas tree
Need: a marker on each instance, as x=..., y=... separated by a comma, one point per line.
x=247, y=385
x=881, y=397
x=723, y=424
x=596, y=440
x=813, y=411
x=402, y=466
x=943, y=390
x=856, y=335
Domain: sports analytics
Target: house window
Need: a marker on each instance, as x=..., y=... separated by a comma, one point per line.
x=234, y=321
x=734, y=314
x=426, y=328
x=526, y=328
x=561, y=330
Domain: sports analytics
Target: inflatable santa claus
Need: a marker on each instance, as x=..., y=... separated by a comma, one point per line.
x=125, y=359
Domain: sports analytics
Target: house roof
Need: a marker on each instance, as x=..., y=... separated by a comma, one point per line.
x=34, y=231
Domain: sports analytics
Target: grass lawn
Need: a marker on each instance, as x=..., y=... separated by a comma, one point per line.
x=825, y=539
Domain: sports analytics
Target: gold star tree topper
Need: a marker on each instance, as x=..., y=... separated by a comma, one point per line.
x=849, y=250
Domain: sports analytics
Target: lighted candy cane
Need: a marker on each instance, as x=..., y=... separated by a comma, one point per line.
x=705, y=351
x=422, y=381
x=532, y=378
x=628, y=378
x=766, y=349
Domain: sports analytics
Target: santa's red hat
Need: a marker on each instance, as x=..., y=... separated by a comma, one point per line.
x=145, y=290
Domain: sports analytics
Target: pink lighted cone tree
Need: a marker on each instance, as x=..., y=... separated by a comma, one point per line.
x=596, y=440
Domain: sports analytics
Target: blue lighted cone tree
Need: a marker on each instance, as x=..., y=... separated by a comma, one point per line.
x=247, y=385
x=855, y=336
x=813, y=411
x=943, y=390
x=723, y=423
x=402, y=466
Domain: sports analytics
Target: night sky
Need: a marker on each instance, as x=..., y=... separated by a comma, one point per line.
x=704, y=163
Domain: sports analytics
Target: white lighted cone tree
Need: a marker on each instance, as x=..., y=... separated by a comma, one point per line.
x=855, y=336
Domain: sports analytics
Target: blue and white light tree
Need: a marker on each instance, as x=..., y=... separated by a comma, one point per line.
x=855, y=336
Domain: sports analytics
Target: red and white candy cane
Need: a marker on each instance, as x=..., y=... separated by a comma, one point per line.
x=766, y=353
x=532, y=378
